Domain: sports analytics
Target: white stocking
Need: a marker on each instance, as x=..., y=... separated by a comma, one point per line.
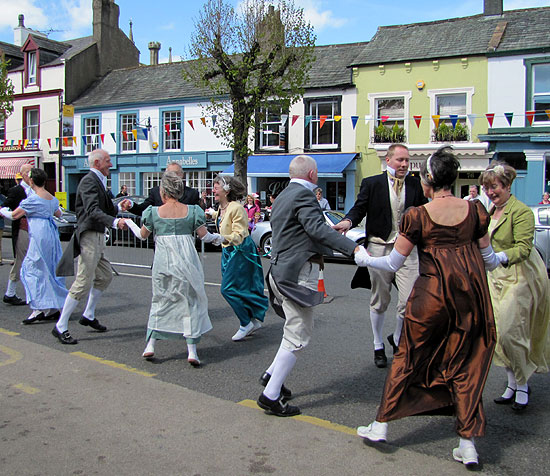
x=68, y=309
x=377, y=323
x=284, y=363
x=93, y=298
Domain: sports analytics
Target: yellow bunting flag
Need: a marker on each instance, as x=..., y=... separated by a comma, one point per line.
x=134, y=133
x=203, y=120
x=435, y=118
x=547, y=111
x=26, y=143
x=337, y=118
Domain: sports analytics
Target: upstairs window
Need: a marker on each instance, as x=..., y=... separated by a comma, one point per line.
x=541, y=92
x=91, y=131
x=323, y=131
x=271, y=132
x=172, y=130
x=127, y=123
x=2, y=126
x=31, y=122
x=31, y=67
x=447, y=105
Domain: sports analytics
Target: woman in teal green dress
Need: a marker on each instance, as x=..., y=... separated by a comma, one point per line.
x=179, y=307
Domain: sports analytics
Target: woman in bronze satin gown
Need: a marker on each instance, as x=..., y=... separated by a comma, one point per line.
x=449, y=333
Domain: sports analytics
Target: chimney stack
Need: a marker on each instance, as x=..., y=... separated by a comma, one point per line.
x=492, y=7
x=154, y=47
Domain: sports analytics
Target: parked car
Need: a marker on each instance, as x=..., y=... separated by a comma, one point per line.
x=542, y=232
x=261, y=235
x=66, y=225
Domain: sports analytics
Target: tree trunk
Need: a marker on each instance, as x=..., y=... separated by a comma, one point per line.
x=240, y=123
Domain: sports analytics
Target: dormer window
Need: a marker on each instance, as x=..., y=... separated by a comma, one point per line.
x=31, y=67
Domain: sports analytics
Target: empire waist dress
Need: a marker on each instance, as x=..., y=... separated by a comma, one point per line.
x=448, y=335
x=179, y=307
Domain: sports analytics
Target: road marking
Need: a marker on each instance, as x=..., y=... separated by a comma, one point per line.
x=26, y=388
x=14, y=356
x=8, y=333
x=112, y=363
x=309, y=419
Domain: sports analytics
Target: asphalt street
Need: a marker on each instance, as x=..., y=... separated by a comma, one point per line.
x=334, y=380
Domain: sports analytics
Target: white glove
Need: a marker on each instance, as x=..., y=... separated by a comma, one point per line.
x=361, y=257
x=5, y=211
x=491, y=259
x=214, y=238
x=391, y=262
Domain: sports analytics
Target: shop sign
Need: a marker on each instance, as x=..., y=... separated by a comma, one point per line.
x=17, y=148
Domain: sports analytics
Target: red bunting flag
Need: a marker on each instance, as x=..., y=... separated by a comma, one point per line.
x=49, y=143
x=417, y=119
x=384, y=118
x=530, y=116
x=190, y=121
x=66, y=141
x=490, y=118
x=435, y=118
x=102, y=136
x=322, y=120
x=203, y=120
x=19, y=142
x=294, y=118
x=167, y=128
x=125, y=135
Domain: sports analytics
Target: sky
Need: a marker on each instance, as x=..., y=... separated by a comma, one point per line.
x=171, y=22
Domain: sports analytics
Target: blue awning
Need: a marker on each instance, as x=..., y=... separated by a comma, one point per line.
x=275, y=165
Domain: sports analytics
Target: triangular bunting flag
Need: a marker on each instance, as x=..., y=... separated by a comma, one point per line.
x=5, y=142
x=284, y=118
x=125, y=135
x=57, y=142
x=509, y=116
x=102, y=137
x=113, y=136
x=307, y=121
x=66, y=141
x=49, y=142
x=490, y=118
x=367, y=118
x=454, y=119
x=19, y=142
x=12, y=142
x=167, y=128
x=203, y=120
x=190, y=122
x=354, y=120
x=74, y=141
x=530, y=116
x=435, y=118
x=417, y=120
x=134, y=133
x=384, y=118
x=472, y=119
x=547, y=111
x=322, y=120
x=142, y=133
x=25, y=143
x=214, y=117
x=337, y=118
x=85, y=140
x=294, y=119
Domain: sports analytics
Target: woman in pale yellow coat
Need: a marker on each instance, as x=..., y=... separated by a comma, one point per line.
x=519, y=289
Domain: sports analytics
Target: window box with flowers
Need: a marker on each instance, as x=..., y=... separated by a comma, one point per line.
x=446, y=133
x=384, y=134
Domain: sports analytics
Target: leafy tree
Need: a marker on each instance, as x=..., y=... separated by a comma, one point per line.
x=6, y=90
x=246, y=58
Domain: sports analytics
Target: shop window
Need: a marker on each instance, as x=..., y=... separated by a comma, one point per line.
x=541, y=92
x=323, y=131
x=202, y=180
x=514, y=159
x=150, y=180
x=31, y=123
x=127, y=124
x=31, y=68
x=172, y=130
x=91, y=131
x=128, y=179
x=271, y=133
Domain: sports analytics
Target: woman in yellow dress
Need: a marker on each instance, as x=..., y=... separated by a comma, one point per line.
x=519, y=289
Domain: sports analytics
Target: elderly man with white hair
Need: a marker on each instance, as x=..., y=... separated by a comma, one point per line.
x=300, y=240
x=95, y=212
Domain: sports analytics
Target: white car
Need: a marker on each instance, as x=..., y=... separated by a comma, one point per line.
x=542, y=232
x=261, y=235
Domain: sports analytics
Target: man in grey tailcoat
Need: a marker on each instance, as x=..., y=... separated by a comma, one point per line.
x=95, y=212
x=300, y=239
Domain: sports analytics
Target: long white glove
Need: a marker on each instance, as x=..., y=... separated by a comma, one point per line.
x=5, y=211
x=391, y=262
x=214, y=238
x=492, y=259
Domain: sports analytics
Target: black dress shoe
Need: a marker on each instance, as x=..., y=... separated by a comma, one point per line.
x=31, y=319
x=64, y=337
x=380, y=359
x=285, y=392
x=520, y=407
x=13, y=300
x=93, y=324
x=505, y=401
x=277, y=407
x=50, y=317
x=392, y=343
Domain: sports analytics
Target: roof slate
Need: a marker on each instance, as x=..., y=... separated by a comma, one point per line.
x=526, y=29
x=164, y=82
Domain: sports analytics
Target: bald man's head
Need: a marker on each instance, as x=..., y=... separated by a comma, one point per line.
x=25, y=169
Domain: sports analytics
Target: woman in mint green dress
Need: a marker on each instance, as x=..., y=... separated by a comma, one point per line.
x=179, y=307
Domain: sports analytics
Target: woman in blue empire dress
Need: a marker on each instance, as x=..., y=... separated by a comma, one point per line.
x=45, y=291
x=242, y=272
x=179, y=307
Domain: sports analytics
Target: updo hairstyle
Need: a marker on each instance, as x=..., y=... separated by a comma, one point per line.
x=234, y=188
x=440, y=170
x=38, y=176
x=171, y=185
x=500, y=171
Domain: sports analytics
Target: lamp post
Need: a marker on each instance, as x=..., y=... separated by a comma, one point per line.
x=60, y=151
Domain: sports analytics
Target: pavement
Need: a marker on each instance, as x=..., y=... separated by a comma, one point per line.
x=70, y=413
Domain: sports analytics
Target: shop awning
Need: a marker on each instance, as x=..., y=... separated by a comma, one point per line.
x=275, y=165
x=10, y=167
